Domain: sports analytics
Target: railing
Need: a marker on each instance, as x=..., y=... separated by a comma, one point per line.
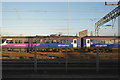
x=68, y=61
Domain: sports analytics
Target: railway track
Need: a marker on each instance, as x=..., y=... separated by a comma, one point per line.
x=67, y=67
x=57, y=55
x=58, y=63
x=52, y=69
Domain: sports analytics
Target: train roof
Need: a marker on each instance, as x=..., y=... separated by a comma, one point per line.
x=101, y=37
x=40, y=37
x=60, y=37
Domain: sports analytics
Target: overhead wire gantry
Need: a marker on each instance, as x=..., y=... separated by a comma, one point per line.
x=110, y=16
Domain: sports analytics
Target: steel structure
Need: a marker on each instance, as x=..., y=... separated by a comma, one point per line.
x=110, y=16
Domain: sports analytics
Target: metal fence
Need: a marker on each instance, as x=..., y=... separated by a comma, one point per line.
x=95, y=61
x=61, y=64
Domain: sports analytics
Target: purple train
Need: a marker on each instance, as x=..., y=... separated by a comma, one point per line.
x=44, y=43
x=58, y=43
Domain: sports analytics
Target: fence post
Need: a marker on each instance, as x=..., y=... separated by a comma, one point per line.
x=66, y=59
x=97, y=60
x=35, y=60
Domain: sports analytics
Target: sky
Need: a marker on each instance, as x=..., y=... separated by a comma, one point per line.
x=45, y=18
x=59, y=0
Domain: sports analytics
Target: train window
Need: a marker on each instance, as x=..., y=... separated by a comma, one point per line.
x=109, y=41
x=102, y=41
x=96, y=41
x=47, y=41
x=55, y=41
x=36, y=41
x=75, y=41
x=61, y=41
x=18, y=41
x=58, y=41
x=9, y=41
x=117, y=41
x=88, y=41
x=43, y=41
x=91, y=40
x=26, y=41
x=2, y=41
x=106, y=41
x=67, y=41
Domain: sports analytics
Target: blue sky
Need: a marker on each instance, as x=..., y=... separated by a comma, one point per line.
x=44, y=18
x=59, y=0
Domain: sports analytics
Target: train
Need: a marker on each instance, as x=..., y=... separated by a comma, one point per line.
x=59, y=43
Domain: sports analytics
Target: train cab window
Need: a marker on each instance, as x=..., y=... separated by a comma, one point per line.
x=26, y=41
x=102, y=41
x=109, y=41
x=18, y=41
x=67, y=41
x=96, y=41
x=117, y=41
x=9, y=41
x=88, y=41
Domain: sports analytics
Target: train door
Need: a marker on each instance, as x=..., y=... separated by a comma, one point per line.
x=75, y=43
x=88, y=42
